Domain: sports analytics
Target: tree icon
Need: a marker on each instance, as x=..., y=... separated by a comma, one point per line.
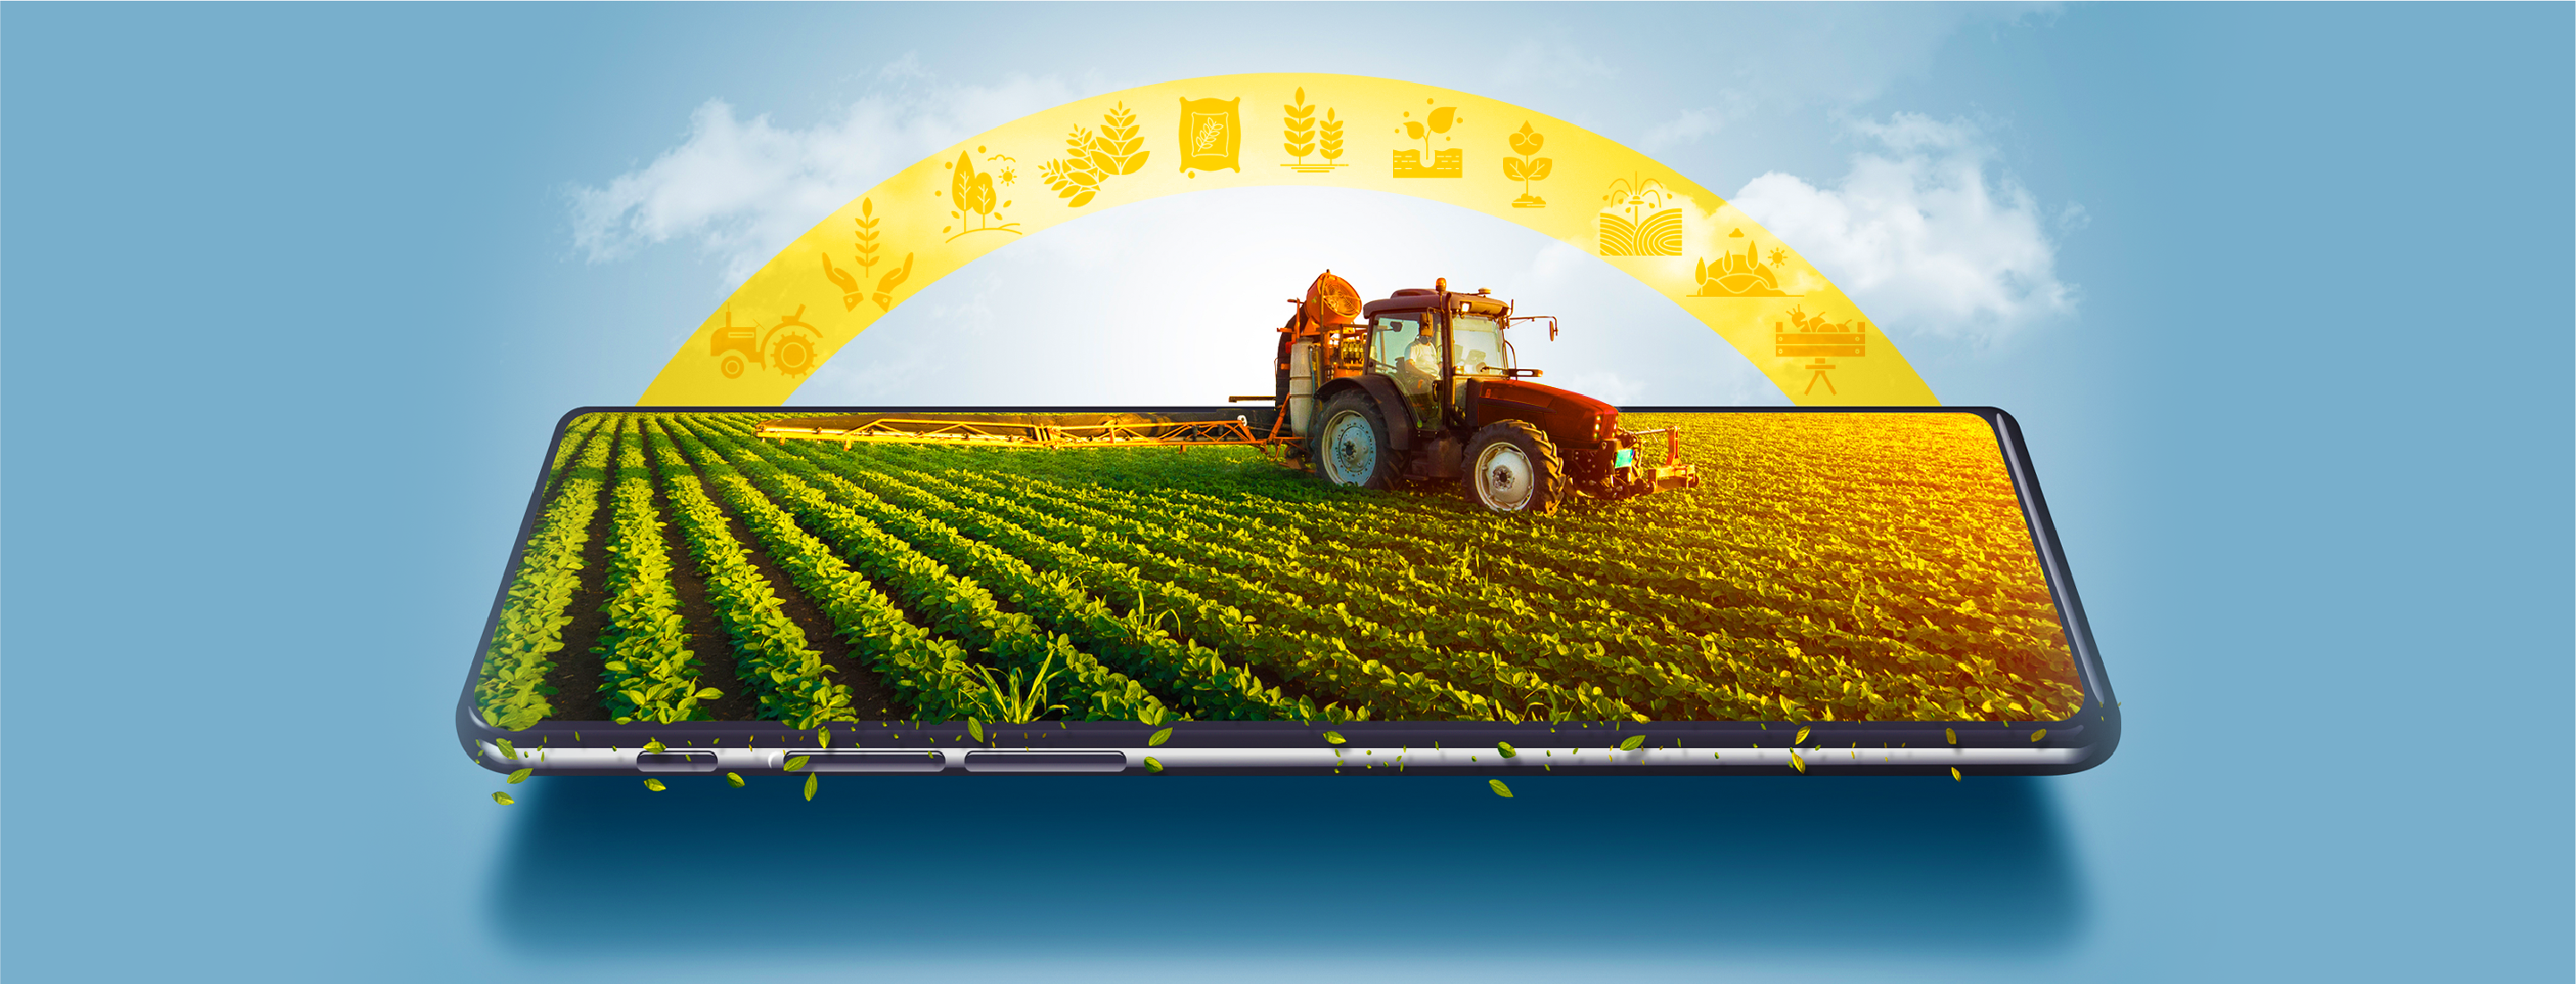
x=1528, y=166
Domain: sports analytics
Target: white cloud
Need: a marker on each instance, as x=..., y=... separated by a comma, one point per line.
x=1929, y=236
x=1692, y=125
x=741, y=190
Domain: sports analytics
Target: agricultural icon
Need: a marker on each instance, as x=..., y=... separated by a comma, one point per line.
x=1527, y=167
x=1304, y=137
x=1740, y=274
x=1637, y=221
x=1212, y=134
x=791, y=346
x=1444, y=164
x=1815, y=336
x=1090, y=159
x=972, y=196
x=851, y=292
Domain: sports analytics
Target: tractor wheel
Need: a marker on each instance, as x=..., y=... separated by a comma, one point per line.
x=1513, y=467
x=1349, y=444
x=732, y=366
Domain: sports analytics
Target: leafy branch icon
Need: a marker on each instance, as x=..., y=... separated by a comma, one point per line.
x=1528, y=166
x=851, y=292
x=1090, y=159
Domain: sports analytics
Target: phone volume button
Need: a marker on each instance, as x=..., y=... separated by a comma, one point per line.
x=1047, y=761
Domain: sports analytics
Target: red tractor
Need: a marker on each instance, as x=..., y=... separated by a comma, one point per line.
x=1423, y=386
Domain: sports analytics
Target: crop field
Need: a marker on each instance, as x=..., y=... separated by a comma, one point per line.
x=1831, y=567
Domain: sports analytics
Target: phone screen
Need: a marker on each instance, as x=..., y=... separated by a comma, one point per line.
x=1827, y=566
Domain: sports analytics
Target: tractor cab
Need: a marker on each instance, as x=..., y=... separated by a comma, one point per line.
x=1424, y=385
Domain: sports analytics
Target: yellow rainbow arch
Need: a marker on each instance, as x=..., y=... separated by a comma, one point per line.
x=1340, y=131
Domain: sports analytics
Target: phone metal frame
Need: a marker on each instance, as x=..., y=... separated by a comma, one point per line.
x=1372, y=747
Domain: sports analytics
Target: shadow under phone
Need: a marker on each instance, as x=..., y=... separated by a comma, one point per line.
x=1673, y=867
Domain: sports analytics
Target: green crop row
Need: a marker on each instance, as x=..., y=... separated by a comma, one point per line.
x=770, y=651
x=955, y=606
x=1061, y=599
x=647, y=670
x=932, y=675
x=512, y=688
x=1317, y=629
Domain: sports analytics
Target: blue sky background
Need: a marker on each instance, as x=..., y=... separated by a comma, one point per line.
x=289, y=297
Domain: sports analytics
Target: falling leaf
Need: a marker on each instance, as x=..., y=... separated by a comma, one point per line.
x=1500, y=789
x=1802, y=736
x=798, y=762
x=1800, y=763
x=1153, y=764
x=823, y=737
x=2039, y=734
x=654, y=785
x=1159, y=738
x=521, y=776
x=1506, y=748
x=1633, y=743
x=502, y=798
x=810, y=783
x=508, y=751
x=1951, y=734
x=1954, y=774
x=733, y=780
x=1334, y=736
x=976, y=728
x=654, y=746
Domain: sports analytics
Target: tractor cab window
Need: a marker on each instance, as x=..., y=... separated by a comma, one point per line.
x=1406, y=348
x=1476, y=346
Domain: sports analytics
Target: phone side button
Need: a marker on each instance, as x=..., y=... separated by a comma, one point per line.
x=675, y=761
x=1050, y=761
x=817, y=760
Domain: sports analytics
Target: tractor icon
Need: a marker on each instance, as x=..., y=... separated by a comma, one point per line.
x=788, y=346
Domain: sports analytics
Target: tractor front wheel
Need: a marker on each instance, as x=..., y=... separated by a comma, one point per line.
x=1349, y=445
x=1513, y=467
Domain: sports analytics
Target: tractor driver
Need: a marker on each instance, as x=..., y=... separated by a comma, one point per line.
x=1418, y=374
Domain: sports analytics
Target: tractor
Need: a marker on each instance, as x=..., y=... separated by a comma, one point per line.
x=1423, y=387
x=790, y=346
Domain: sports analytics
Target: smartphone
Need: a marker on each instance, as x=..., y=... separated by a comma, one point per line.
x=1147, y=591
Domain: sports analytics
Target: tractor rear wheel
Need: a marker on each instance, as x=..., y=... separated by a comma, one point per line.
x=1349, y=444
x=1513, y=467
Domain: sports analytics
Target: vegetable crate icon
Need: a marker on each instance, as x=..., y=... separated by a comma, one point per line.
x=791, y=346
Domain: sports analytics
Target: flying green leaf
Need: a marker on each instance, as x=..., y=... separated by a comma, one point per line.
x=654, y=746
x=1500, y=789
x=1633, y=743
x=1159, y=737
x=976, y=728
x=823, y=737
x=2039, y=734
x=798, y=762
x=1800, y=763
x=1153, y=764
x=1952, y=734
x=1802, y=736
x=502, y=798
x=654, y=785
x=521, y=776
x=1954, y=773
x=810, y=783
x=1334, y=736
x=508, y=751
x=1506, y=748
x=733, y=780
